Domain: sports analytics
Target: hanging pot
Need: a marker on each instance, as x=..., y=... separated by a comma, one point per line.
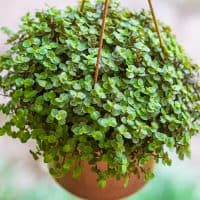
x=86, y=186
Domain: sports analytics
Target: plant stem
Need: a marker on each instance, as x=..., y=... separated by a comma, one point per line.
x=105, y=12
x=156, y=24
x=64, y=158
x=82, y=5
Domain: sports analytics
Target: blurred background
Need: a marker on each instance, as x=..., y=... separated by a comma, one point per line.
x=21, y=178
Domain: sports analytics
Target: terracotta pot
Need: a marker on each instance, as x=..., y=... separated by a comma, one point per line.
x=86, y=186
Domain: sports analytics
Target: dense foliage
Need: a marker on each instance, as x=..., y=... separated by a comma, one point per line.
x=145, y=99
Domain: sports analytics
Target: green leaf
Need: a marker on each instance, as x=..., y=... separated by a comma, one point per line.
x=127, y=135
x=170, y=142
x=100, y=91
x=52, y=139
x=2, y=132
x=102, y=183
x=126, y=181
x=108, y=122
x=27, y=43
x=19, y=82
x=124, y=131
x=28, y=82
x=36, y=41
x=42, y=83
x=61, y=115
x=161, y=137
x=62, y=98
x=6, y=31
x=141, y=46
x=28, y=94
x=97, y=135
x=54, y=113
x=48, y=158
x=149, y=175
x=77, y=172
x=63, y=77
x=68, y=148
x=82, y=46
x=68, y=163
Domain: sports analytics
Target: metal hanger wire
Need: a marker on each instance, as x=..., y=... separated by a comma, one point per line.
x=104, y=16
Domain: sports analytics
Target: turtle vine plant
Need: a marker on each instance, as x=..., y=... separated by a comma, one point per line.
x=145, y=96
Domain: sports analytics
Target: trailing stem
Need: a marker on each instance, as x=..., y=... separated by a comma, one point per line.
x=105, y=12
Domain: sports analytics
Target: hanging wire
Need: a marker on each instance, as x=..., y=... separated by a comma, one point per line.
x=105, y=12
x=156, y=25
x=82, y=5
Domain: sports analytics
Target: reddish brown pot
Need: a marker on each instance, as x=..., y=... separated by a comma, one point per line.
x=86, y=186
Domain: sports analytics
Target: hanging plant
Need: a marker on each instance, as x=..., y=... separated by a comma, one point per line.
x=99, y=96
